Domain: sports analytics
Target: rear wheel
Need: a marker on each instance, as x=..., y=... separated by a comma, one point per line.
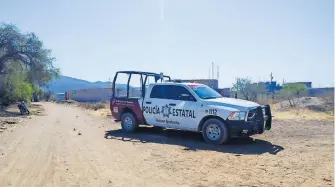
x=129, y=122
x=214, y=131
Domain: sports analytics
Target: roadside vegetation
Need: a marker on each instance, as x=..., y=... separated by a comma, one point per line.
x=291, y=102
x=94, y=106
x=25, y=66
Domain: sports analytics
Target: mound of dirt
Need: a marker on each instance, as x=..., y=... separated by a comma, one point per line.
x=312, y=103
x=68, y=102
x=4, y=121
x=7, y=122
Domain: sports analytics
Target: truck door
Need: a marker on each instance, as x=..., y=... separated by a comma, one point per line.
x=183, y=108
x=153, y=106
x=171, y=106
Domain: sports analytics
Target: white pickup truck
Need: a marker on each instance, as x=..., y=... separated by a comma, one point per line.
x=190, y=107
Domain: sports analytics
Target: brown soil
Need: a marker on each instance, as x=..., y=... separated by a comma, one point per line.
x=69, y=147
x=316, y=104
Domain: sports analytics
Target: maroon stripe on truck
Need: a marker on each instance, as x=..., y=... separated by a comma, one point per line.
x=118, y=105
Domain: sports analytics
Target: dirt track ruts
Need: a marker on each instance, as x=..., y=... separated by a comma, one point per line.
x=47, y=151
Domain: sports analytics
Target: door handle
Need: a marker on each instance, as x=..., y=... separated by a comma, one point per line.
x=172, y=104
x=148, y=102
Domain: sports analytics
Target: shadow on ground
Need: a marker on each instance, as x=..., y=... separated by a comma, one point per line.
x=193, y=141
x=4, y=113
x=13, y=111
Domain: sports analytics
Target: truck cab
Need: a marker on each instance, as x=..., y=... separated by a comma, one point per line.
x=190, y=107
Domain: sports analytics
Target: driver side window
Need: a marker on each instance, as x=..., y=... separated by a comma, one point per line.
x=176, y=92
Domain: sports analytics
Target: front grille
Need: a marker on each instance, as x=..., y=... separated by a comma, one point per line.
x=252, y=115
x=256, y=115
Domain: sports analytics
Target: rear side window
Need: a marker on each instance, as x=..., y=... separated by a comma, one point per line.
x=159, y=92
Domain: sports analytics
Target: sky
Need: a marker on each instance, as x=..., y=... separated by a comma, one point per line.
x=91, y=40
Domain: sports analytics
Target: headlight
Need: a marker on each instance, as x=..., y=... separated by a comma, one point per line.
x=237, y=116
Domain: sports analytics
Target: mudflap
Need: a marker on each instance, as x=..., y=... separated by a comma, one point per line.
x=268, y=122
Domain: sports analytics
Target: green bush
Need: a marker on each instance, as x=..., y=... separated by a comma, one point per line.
x=292, y=92
x=14, y=85
x=13, y=89
x=25, y=65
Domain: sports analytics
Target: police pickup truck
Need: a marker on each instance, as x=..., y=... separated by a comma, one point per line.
x=190, y=107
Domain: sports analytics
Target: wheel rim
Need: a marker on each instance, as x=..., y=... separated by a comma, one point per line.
x=213, y=132
x=128, y=123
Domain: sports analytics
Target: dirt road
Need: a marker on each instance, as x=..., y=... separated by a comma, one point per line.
x=47, y=151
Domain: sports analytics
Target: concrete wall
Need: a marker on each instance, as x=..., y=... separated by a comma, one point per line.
x=99, y=94
x=224, y=92
x=90, y=95
x=319, y=92
x=60, y=96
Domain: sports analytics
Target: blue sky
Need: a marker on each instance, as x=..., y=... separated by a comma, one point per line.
x=92, y=40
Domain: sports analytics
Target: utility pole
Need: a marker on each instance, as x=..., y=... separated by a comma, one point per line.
x=212, y=70
x=217, y=77
x=273, y=93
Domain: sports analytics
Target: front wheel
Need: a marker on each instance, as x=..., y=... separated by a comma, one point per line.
x=214, y=131
x=129, y=122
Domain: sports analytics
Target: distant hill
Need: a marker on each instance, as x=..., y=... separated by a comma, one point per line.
x=65, y=83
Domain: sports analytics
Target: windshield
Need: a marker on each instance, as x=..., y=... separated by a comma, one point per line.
x=205, y=92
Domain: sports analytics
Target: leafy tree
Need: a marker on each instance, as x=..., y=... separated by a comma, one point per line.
x=47, y=95
x=37, y=93
x=25, y=65
x=292, y=91
x=13, y=86
x=28, y=50
x=245, y=88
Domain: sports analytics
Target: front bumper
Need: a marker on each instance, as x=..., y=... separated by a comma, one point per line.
x=256, y=125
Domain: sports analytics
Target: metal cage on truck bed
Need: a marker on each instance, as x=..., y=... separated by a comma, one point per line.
x=144, y=78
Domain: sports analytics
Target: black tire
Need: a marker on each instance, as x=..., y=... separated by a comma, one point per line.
x=129, y=122
x=223, y=137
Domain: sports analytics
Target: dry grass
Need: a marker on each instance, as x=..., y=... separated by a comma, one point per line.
x=302, y=114
x=103, y=110
x=93, y=106
x=10, y=116
x=13, y=110
x=96, y=109
x=67, y=102
x=310, y=108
